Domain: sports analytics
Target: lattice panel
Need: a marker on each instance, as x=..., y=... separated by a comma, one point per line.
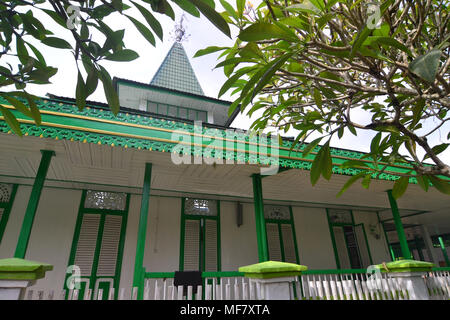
x=340, y=216
x=199, y=207
x=105, y=200
x=5, y=192
x=276, y=212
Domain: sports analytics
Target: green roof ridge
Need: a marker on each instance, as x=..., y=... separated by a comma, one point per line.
x=176, y=72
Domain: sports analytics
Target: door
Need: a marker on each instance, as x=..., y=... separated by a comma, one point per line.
x=98, y=246
x=281, y=242
x=351, y=246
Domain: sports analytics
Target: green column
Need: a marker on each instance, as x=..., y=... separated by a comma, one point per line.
x=139, y=271
x=444, y=251
x=399, y=227
x=263, y=254
x=28, y=219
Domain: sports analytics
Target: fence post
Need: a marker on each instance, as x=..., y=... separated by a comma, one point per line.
x=410, y=275
x=274, y=278
x=17, y=274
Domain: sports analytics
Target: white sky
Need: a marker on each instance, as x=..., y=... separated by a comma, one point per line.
x=202, y=34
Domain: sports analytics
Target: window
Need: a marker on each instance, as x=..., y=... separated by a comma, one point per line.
x=152, y=107
x=7, y=194
x=99, y=239
x=281, y=242
x=349, y=240
x=200, y=235
x=177, y=112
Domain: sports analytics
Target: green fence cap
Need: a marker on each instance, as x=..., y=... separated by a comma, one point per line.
x=20, y=269
x=406, y=265
x=272, y=269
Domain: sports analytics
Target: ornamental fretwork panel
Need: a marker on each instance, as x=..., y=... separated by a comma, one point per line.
x=105, y=200
x=200, y=207
x=5, y=192
x=277, y=212
x=340, y=216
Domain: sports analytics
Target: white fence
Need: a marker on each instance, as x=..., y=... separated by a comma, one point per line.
x=352, y=286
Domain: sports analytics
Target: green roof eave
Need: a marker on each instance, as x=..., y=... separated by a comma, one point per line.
x=131, y=130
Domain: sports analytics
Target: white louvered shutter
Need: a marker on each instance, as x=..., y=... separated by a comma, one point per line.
x=87, y=241
x=362, y=245
x=110, y=246
x=191, y=245
x=273, y=241
x=341, y=246
x=210, y=245
x=288, y=243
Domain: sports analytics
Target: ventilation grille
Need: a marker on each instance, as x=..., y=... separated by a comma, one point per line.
x=87, y=241
x=210, y=245
x=288, y=243
x=110, y=246
x=191, y=245
x=273, y=241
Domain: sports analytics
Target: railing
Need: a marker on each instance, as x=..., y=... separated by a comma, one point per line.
x=352, y=284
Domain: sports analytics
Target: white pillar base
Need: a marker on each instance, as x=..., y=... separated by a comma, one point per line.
x=14, y=289
x=275, y=288
x=414, y=283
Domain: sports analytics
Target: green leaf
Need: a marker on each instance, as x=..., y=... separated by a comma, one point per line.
x=441, y=185
x=423, y=182
x=22, y=52
x=56, y=43
x=240, y=5
x=208, y=50
x=11, y=121
x=317, y=97
x=145, y=32
x=152, y=21
x=436, y=150
x=19, y=106
x=353, y=164
x=427, y=65
x=366, y=181
x=91, y=82
x=188, y=7
x=264, y=31
x=374, y=145
x=351, y=181
x=310, y=147
x=400, y=187
x=327, y=164
x=110, y=93
x=123, y=55
x=389, y=41
x=212, y=16
x=229, y=9
x=359, y=40
x=81, y=92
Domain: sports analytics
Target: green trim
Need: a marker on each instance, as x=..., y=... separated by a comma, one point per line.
x=219, y=242
x=386, y=237
x=333, y=241
x=25, y=231
x=408, y=215
x=444, y=251
x=334, y=271
x=20, y=269
x=6, y=211
x=142, y=230
x=399, y=226
x=182, y=234
x=93, y=277
x=65, y=121
x=261, y=235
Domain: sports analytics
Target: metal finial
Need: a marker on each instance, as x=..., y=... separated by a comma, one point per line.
x=179, y=33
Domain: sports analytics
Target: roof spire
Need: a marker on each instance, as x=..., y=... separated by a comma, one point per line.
x=179, y=33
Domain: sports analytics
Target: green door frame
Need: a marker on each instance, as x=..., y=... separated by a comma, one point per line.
x=399, y=226
x=261, y=235
x=290, y=222
x=185, y=217
x=333, y=240
x=30, y=213
x=103, y=213
x=6, y=210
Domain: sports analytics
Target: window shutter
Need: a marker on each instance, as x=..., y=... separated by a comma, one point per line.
x=273, y=241
x=110, y=246
x=210, y=245
x=1, y=213
x=191, y=245
x=341, y=247
x=288, y=243
x=362, y=245
x=87, y=241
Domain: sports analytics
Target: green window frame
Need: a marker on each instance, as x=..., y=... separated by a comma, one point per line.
x=185, y=217
x=6, y=206
x=280, y=222
x=164, y=108
x=93, y=277
x=351, y=224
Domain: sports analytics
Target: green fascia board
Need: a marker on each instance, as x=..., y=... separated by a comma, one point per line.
x=406, y=265
x=129, y=130
x=20, y=269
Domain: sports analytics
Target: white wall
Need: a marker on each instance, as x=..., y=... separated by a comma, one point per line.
x=52, y=233
x=314, y=243
x=238, y=244
x=378, y=247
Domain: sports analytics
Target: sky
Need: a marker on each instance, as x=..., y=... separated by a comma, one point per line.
x=202, y=34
